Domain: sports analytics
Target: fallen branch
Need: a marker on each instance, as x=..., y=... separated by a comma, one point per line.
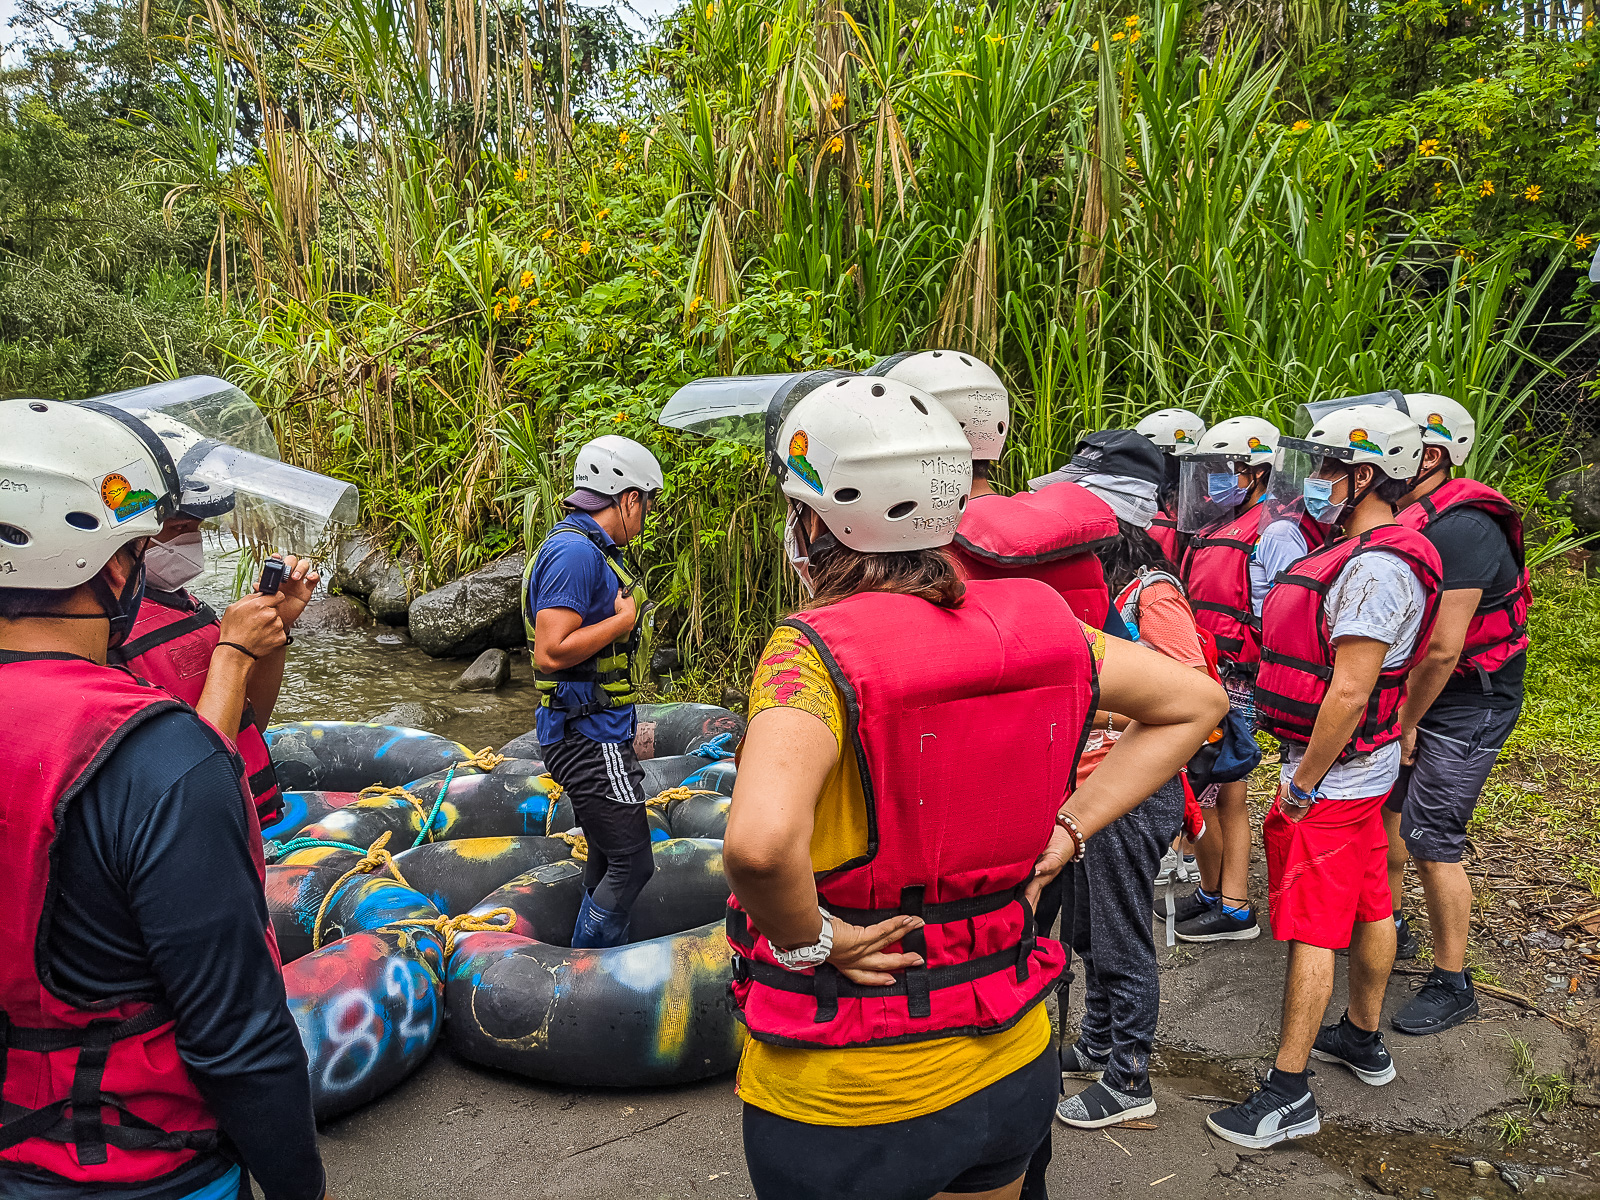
x=629, y=1134
x=1579, y=919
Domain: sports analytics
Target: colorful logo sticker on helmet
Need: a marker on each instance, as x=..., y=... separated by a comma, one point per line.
x=125, y=499
x=1257, y=446
x=1436, y=425
x=799, y=444
x=1358, y=439
x=1180, y=435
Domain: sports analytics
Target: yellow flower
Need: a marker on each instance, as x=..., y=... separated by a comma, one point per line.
x=527, y=279
x=694, y=305
x=533, y=302
x=1532, y=193
x=710, y=11
x=835, y=146
x=498, y=309
x=1132, y=21
x=584, y=247
x=547, y=234
x=1378, y=167
x=959, y=30
x=836, y=101
x=622, y=138
x=1486, y=188
x=1095, y=45
x=619, y=418
x=528, y=341
x=618, y=166
x=1438, y=190
x=602, y=214
x=1589, y=23
x=1427, y=146
x=1118, y=36
x=1135, y=36
x=1129, y=165
x=1478, y=80
x=521, y=175
x=1300, y=126
x=514, y=303
x=1583, y=241
x=863, y=182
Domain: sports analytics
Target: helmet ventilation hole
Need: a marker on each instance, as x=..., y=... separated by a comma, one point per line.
x=39, y=407
x=847, y=495
x=965, y=361
x=921, y=407
x=904, y=509
x=1000, y=428
x=83, y=520
x=616, y=470
x=961, y=504
x=593, y=470
x=12, y=536
x=937, y=353
x=877, y=389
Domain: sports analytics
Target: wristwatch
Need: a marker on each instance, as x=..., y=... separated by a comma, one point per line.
x=1300, y=798
x=814, y=955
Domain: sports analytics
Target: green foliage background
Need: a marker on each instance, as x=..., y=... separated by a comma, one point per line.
x=442, y=244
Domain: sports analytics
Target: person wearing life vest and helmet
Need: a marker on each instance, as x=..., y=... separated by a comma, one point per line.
x=886, y=963
x=1049, y=534
x=229, y=668
x=1175, y=432
x=148, y=1046
x=586, y=616
x=1462, y=700
x=1340, y=633
x=1221, y=485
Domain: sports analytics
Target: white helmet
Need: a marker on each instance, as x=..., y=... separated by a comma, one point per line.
x=1367, y=433
x=1443, y=423
x=1175, y=430
x=885, y=466
x=965, y=385
x=612, y=464
x=77, y=483
x=1249, y=439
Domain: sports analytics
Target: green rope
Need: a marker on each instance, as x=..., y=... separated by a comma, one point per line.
x=426, y=832
x=279, y=849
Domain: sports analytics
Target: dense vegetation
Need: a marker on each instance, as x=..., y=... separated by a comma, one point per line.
x=444, y=241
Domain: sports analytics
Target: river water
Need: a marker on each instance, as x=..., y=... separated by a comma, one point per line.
x=359, y=674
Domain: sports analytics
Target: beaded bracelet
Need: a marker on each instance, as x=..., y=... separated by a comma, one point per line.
x=1070, y=823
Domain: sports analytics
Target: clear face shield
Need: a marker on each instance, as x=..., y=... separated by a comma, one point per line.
x=748, y=409
x=1309, y=479
x=1307, y=416
x=218, y=437
x=1211, y=488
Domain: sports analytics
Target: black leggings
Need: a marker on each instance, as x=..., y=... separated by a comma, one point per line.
x=606, y=786
x=616, y=880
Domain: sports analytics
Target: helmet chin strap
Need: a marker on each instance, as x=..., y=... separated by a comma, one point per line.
x=1421, y=477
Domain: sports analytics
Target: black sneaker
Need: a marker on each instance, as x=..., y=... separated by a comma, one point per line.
x=1406, y=942
x=1098, y=1106
x=1216, y=925
x=1267, y=1117
x=1186, y=908
x=1364, y=1053
x=1440, y=1005
x=1077, y=1062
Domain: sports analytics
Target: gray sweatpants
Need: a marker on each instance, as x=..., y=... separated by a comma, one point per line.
x=1110, y=907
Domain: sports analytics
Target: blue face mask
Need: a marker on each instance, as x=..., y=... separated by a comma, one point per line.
x=1224, y=488
x=1318, y=495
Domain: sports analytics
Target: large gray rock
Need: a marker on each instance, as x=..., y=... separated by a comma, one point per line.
x=332, y=614
x=414, y=714
x=361, y=567
x=471, y=614
x=489, y=672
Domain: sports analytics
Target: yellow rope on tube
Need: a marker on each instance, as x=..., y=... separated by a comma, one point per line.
x=496, y=920
x=376, y=858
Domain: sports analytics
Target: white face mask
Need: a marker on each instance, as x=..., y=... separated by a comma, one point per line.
x=170, y=565
x=791, y=548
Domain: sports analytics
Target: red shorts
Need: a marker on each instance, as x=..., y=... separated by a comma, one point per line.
x=1327, y=871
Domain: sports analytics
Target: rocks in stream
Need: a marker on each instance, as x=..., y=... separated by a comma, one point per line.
x=332, y=614
x=363, y=568
x=480, y=610
x=489, y=672
x=414, y=714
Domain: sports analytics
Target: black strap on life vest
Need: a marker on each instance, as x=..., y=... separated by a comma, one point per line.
x=201, y=617
x=79, y=1117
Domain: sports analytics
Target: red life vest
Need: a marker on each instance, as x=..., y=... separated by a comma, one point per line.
x=1498, y=634
x=1049, y=535
x=1007, y=677
x=1164, y=532
x=1297, y=654
x=171, y=646
x=67, y=1063
x=1216, y=573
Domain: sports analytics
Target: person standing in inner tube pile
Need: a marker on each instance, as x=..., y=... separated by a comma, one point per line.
x=228, y=669
x=1221, y=484
x=886, y=962
x=586, y=616
x=1109, y=890
x=149, y=1048
x=1175, y=432
x=1050, y=534
x=1340, y=633
x=1462, y=701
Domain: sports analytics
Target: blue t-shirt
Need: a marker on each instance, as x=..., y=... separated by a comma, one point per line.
x=571, y=572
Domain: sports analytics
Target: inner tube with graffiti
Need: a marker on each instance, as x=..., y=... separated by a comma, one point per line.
x=662, y=731
x=346, y=756
x=482, y=871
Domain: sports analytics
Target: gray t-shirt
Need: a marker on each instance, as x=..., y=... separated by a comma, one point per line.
x=1375, y=596
x=1280, y=544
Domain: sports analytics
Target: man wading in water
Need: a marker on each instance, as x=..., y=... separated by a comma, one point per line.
x=583, y=609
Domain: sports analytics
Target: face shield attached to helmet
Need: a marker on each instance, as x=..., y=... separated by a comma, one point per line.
x=747, y=409
x=1211, y=488
x=1305, y=479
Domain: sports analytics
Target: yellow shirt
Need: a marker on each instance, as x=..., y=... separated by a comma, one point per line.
x=873, y=1085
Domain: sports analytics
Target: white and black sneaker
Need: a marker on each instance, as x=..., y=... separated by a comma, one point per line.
x=1363, y=1052
x=1098, y=1106
x=1079, y=1063
x=1269, y=1116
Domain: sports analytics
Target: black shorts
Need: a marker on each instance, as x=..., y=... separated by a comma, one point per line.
x=606, y=786
x=1435, y=796
x=976, y=1145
